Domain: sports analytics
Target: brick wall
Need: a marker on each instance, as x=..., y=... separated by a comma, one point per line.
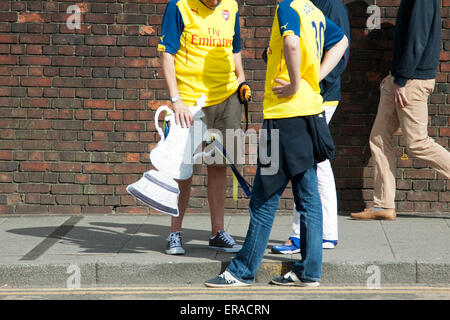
x=77, y=106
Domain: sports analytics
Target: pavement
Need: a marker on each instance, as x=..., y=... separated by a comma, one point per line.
x=128, y=250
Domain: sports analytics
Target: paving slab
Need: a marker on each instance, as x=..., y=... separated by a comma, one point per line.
x=129, y=250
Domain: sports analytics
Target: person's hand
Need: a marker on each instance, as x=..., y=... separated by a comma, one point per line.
x=399, y=94
x=183, y=115
x=285, y=89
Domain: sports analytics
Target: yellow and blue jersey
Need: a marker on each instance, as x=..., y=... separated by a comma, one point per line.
x=203, y=41
x=316, y=33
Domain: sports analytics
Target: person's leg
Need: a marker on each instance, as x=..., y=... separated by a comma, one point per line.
x=174, y=241
x=183, y=200
x=292, y=245
x=307, y=200
x=295, y=224
x=227, y=116
x=381, y=145
x=414, y=123
x=328, y=198
x=327, y=191
x=217, y=182
x=262, y=212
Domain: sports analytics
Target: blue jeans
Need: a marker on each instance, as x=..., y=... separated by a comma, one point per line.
x=262, y=213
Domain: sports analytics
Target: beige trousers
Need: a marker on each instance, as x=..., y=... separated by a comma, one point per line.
x=413, y=120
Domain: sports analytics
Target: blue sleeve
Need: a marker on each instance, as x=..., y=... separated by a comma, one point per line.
x=171, y=29
x=333, y=34
x=288, y=19
x=237, y=35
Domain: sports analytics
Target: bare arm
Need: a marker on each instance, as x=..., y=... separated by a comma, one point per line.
x=292, y=55
x=332, y=57
x=182, y=114
x=239, y=70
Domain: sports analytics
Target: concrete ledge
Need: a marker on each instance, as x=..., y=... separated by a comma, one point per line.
x=136, y=274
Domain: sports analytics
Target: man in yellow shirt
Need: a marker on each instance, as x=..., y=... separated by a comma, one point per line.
x=200, y=53
x=301, y=34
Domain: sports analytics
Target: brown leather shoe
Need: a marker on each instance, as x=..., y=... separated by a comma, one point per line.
x=368, y=214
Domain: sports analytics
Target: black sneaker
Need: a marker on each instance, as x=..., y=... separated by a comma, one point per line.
x=222, y=241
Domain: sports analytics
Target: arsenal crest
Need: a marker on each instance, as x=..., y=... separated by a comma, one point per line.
x=226, y=14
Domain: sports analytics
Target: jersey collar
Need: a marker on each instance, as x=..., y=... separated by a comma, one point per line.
x=209, y=7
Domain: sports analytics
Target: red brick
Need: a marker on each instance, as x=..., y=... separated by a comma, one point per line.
x=98, y=125
x=6, y=155
x=28, y=17
x=99, y=18
x=68, y=146
x=99, y=146
x=132, y=157
x=97, y=168
x=129, y=126
x=8, y=16
x=8, y=38
x=35, y=82
x=99, y=62
x=8, y=60
x=34, y=188
x=66, y=167
x=34, y=166
x=129, y=168
x=131, y=84
x=31, y=209
x=130, y=104
x=101, y=40
x=67, y=61
x=146, y=30
x=72, y=209
x=99, y=104
x=445, y=67
x=97, y=210
x=66, y=189
x=131, y=63
x=33, y=38
x=115, y=115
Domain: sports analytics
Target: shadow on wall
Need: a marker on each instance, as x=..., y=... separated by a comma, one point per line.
x=370, y=62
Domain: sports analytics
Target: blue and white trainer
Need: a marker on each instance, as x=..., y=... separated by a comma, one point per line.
x=329, y=244
x=289, y=247
x=293, y=246
x=174, y=243
x=291, y=279
x=225, y=279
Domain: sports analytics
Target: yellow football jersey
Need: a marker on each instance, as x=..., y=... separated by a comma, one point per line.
x=316, y=33
x=203, y=41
